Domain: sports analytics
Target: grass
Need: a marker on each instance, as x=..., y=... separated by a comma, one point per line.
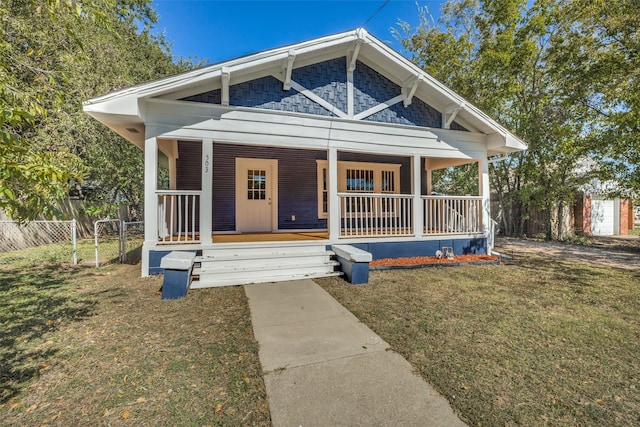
x=531, y=342
x=62, y=253
x=527, y=343
x=80, y=346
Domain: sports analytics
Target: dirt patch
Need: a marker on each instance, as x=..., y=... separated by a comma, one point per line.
x=597, y=255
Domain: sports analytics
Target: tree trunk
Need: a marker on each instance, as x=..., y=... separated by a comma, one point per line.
x=561, y=230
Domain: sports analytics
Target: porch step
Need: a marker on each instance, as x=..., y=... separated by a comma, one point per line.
x=212, y=281
x=269, y=262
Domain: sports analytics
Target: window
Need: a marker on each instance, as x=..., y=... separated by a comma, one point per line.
x=357, y=177
x=256, y=184
x=388, y=181
x=359, y=180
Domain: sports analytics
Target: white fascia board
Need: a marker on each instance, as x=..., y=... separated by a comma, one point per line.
x=504, y=143
x=515, y=143
x=126, y=106
x=160, y=86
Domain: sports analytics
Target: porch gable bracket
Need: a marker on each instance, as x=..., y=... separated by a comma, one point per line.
x=352, y=58
x=225, y=77
x=449, y=115
x=409, y=90
x=288, y=68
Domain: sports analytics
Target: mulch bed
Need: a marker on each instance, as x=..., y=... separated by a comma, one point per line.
x=431, y=261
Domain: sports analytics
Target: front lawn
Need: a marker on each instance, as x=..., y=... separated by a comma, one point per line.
x=537, y=342
x=81, y=346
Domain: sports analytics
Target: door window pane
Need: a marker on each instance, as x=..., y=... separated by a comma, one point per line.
x=256, y=184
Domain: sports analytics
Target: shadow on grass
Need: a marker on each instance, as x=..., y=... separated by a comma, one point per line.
x=576, y=272
x=34, y=302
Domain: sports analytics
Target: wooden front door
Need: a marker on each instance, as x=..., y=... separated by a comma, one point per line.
x=256, y=195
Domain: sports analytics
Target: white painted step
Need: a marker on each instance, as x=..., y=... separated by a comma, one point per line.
x=280, y=264
x=217, y=281
x=268, y=262
x=262, y=250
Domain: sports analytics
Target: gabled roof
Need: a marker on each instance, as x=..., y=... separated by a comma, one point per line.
x=121, y=110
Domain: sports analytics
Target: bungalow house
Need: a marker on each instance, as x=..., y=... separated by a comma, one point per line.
x=270, y=159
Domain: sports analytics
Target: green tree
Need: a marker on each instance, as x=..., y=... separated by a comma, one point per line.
x=538, y=68
x=53, y=56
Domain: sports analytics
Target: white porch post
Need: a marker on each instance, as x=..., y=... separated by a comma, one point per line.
x=334, y=203
x=485, y=192
x=429, y=183
x=150, y=200
x=171, y=160
x=206, y=195
x=416, y=182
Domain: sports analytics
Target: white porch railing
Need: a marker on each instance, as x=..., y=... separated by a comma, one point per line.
x=375, y=215
x=178, y=216
x=452, y=214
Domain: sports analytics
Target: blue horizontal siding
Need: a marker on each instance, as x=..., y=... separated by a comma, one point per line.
x=189, y=177
x=297, y=185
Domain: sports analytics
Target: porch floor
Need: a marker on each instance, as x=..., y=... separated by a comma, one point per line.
x=270, y=237
x=251, y=237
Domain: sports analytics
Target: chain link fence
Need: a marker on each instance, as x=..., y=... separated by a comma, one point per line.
x=114, y=241
x=59, y=236
x=131, y=242
x=118, y=241
x=107, y=234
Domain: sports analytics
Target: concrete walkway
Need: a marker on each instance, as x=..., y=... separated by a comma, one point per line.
x=323, y=367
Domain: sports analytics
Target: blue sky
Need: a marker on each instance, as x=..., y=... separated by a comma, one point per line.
x=218, y=30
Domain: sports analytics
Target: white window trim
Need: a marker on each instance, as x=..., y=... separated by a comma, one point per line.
x=320, y=166
x=377, y=169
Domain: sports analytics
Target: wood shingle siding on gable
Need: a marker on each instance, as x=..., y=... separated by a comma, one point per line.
x=266, y=92
x=328, y=80
x=371, y=88
x=211, y=97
